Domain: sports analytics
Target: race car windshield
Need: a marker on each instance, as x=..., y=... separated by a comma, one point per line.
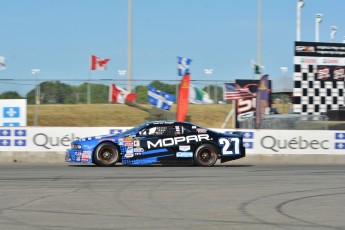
x=134, y=129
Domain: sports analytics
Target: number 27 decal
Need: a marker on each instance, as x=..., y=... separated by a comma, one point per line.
x=226, y=143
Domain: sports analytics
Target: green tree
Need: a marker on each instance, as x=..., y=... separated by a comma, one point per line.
x=99, y=93
x=10, y=95
x=51, y=92
x=141, y=92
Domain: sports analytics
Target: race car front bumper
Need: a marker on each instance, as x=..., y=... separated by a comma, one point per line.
x=78, y=156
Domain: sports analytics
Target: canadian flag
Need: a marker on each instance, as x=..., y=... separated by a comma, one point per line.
x=97, y=63
x=119, y=95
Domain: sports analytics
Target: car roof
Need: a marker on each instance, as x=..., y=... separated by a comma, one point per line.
x=168, y=122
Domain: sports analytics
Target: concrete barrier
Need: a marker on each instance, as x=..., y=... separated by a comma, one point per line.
x=48, y=144
x=59, y=157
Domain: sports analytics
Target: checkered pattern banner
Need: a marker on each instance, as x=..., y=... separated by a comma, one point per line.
x=318, y=77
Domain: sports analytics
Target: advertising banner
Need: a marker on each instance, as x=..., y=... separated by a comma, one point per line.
x=47, y=139
x=13, y=112
x=319, y=74
x=293, y=141
x=246, y=107
x=58, y=139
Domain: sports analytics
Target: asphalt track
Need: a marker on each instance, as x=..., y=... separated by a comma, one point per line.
x=248, y=196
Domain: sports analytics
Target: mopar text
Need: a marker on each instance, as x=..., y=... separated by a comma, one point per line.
x=176, y=140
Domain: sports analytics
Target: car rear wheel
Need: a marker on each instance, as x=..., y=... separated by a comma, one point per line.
x=106, y=154
x=206, y=155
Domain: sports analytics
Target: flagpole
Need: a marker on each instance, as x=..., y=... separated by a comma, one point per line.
x=231, y=112
x=89, y=89
x=129, y=51
x=259, y=32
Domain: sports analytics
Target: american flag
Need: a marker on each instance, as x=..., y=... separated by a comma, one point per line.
x=234, y=92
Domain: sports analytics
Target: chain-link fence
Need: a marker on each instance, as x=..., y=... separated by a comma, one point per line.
x=94, y=91
x=288, y=121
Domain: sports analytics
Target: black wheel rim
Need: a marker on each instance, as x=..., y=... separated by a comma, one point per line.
x=206, y=156
x=107, y=154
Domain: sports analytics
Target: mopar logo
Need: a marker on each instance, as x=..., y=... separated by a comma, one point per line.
x=176, y=140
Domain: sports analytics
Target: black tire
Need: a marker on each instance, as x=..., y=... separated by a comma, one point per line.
x=206, y=155
x=106, y=154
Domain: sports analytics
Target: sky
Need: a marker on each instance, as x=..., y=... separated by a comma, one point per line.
x=58, y=37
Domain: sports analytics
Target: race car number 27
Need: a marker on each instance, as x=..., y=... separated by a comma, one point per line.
x=230, y=147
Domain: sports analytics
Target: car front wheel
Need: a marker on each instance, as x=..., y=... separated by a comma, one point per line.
x=106, y=154
x=206, y=155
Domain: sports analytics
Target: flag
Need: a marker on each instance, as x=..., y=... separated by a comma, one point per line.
x=159, y=98
x=2, y=63
x=234, y=92
x=182, y=103
x=198, y=96
x=262, y=100
x=119, y=95
x=98, y=63
x=257, y=69
x=183, y=66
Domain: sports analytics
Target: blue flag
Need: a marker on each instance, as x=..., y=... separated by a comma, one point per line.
x=183, y=66
x=160, y=99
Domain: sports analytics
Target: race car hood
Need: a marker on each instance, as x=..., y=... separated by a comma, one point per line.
x=88, y=143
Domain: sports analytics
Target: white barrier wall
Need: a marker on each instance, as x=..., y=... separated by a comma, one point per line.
x=58, y=139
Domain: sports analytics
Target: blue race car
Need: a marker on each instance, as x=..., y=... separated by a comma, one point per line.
x=159, y=142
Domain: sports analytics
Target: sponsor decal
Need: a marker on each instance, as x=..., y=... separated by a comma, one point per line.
x=85, y=156
x=184, y=154
x=136, y=142
x=128, y=141
x=138, y=150
x=339, y=73
x=129, y=150
x=330, y=61
x=120, y=141
x=323, y=73
x=184, y=148
x=201, y=130
x=129, y=155
x=310, y=49
x=308, y=60
x=166, y=142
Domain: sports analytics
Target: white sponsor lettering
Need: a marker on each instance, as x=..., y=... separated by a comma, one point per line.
x=171, y=141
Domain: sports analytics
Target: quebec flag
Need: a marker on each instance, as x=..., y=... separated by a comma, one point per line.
x=160, y=99
x=340, y=140
x=183, y=66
